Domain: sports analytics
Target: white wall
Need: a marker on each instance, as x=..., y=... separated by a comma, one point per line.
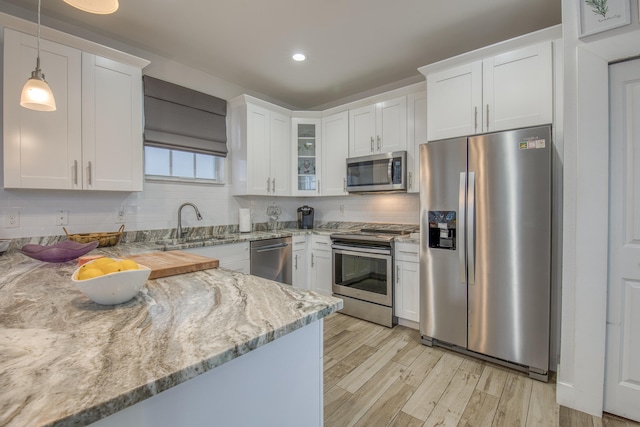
x=586, y=193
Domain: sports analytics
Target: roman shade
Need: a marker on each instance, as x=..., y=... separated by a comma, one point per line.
x=184, y=119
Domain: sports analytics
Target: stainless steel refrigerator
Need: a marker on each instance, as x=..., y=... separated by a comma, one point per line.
x=485, y=251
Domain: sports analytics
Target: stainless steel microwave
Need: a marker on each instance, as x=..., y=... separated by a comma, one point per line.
x=379, y=172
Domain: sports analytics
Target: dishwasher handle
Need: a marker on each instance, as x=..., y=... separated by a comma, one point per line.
x=272, y=247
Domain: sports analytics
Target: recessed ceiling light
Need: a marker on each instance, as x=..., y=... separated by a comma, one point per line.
x=299, y=57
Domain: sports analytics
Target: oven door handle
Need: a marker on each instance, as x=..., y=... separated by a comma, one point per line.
x=359, y=250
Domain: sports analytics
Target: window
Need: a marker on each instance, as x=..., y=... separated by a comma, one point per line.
x=185, y=134
x=179, y=165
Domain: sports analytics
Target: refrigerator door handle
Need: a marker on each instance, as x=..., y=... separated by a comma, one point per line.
x=471, y=230
x=462, y=210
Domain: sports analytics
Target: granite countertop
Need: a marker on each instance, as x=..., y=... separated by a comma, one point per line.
x=198, y=241
x=65, y=360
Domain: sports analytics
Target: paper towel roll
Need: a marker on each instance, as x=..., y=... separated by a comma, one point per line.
x=244, y=220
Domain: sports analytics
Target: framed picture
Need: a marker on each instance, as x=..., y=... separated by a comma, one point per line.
x=602, y=15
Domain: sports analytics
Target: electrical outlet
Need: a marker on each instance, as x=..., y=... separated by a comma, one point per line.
x=342, y=210
x=12, y=218
x=120, y=215
x=62, y=217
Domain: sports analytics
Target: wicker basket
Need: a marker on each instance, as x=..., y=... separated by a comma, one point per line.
x=105, y=239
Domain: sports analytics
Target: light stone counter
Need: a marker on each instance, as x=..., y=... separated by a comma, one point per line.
x=228, y=238
x=67, y=361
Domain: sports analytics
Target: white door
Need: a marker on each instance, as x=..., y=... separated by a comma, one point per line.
x=362, y=129
x=622, y=375
x=111, y=124
x=258, y=151
x=279, y=154
x=518, y=88
x=42, y=150
x=416, y=135
x=391, y=125
x=454, y=102
x=335, y=150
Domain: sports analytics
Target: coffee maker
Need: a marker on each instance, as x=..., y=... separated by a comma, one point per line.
x=305, y=217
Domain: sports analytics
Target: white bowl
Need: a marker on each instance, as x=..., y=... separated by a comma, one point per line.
x=113, y=288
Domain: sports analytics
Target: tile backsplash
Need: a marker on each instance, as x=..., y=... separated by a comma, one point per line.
x=157, y=208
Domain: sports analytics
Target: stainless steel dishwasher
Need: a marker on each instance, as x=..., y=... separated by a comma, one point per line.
x=271, y=259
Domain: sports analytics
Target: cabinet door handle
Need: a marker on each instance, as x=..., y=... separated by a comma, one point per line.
x=268, y=185
x=318, y=186
x=372, y=144
x=475, y=119
x=487, y=116
x=89, y=175
x=398, y=274
x=344, y=185
x=410, y=179
x=273, y=190
x=75, y=172
x=378, y=138
x=296, y=262
x=311, y=260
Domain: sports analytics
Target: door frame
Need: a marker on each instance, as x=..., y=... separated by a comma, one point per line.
x=581, y=370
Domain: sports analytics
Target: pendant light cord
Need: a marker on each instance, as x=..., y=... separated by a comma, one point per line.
x=38, y=38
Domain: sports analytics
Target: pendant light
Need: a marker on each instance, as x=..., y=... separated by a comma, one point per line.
x=36, y=93
x=101, y=7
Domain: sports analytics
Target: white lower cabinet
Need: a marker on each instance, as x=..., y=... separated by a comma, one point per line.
x=234, y=256
x=320, y=266
x=300, y=262
x=407, y=282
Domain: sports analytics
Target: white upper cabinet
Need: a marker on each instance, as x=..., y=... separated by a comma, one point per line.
x=307, y=156
x=335, y=150
x=93, y=141
x=518, y=88
x=260, y=147
x=111, y=124
x=378, y=128
x=454, y=102
x=416, y=135
x=505, y=91
x=42, y=149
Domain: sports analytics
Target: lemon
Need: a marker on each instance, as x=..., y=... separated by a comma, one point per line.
x=89, y=273
x=102, y=261
x=129, y=264
x=112, y=267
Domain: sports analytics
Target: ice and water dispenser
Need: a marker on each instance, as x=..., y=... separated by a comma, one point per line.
x=442, y=229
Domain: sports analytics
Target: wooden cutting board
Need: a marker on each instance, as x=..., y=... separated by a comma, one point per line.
x=170, y=263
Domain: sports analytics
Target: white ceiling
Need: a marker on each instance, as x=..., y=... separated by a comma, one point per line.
x=351, y=45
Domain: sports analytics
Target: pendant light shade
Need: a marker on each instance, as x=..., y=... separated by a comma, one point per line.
x=36, y=93
x=101, y=7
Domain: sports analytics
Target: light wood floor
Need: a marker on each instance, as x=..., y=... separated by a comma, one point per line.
x=376, y=376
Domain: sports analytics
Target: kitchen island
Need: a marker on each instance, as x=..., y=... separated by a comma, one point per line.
x=213, y=347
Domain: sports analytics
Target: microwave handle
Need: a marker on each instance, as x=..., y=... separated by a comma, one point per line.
x=390, y=171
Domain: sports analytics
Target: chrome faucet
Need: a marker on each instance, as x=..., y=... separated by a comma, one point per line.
x=198, y=216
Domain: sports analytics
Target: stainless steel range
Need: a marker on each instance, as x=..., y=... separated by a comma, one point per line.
x=363, y=273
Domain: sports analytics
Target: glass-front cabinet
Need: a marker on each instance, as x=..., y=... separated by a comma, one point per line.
x=306, y=156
